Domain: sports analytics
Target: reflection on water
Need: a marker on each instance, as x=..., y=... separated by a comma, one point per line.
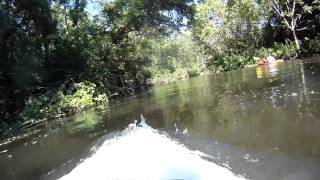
x=270, y=70
x=261, y=122
x=85, y=121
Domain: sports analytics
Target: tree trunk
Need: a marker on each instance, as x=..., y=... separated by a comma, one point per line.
x=296, y=41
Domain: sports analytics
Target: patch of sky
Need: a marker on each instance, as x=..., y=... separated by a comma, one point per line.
x=94, y=7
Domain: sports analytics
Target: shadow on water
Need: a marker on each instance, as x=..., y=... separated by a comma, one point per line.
x=261, y=122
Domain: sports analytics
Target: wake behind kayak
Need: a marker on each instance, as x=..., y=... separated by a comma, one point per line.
x=143, y=153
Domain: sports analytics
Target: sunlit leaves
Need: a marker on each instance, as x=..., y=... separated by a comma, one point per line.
x=228, y=26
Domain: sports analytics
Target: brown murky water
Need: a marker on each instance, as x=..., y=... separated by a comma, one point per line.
x=261, y=122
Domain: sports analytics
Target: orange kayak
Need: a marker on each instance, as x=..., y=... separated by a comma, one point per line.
x=266, y=62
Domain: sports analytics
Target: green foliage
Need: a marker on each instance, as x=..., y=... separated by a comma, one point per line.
x=229, y=32
x=311, y=46
x=227, y=26
x=233, y=61
x=163, y=77
x=57, y=103
x=279, y=51
x=175, y=58
x=290, y=15
x=135, y=15
x=45, y=44
x=230, y=62
x=233, y=33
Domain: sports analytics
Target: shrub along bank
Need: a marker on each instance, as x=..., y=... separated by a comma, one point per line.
x=232, y=61
x=57, y=103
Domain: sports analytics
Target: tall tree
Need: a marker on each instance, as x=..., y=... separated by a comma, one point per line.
x=227, y=27
x=25, y=25
x=291, y=13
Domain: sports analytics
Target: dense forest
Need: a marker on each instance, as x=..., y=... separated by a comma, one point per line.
x=61, y=56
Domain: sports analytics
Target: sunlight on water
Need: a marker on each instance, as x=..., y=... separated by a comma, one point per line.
x=143, y=153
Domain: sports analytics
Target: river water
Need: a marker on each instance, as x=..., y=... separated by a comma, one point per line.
x=256, y=123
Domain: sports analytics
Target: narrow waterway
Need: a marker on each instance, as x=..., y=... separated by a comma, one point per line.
x=257, y=123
